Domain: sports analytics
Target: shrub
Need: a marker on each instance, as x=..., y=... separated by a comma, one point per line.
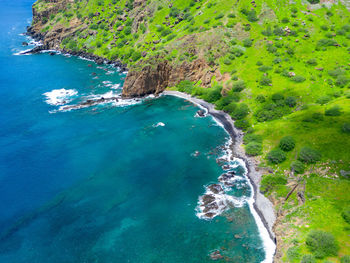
x=277, y=97
x=321, y=244
x=346, y=214
x=287, y=143
x=312, y=62
x=317, y=116
x=185, y=86
x=268, y=182
x=225, y=100
x=276, y=156
x=342, y=80
x=213, y=94
x=325, y=42
x=166, y=32
x=230, y=108
x=170, y=37
x=247, y=42
x=308, y=259
x=293, y=254
x=237, y=52
x=264, y=68
x=297, y=166
x=309, y=155
x=174, y=12
x=251, y=16
x=227, y=61
x=265, y=81
x=334, y=111
x=291, y=101
x=346, y=127
x=219, y=16
x=270, y=48
x=253, y=148
x=285, y=20
x=127, y=30
x=240, y=112
x=298, y=79
x=260, y=98
x=345, y=259
x=238, y=86
x=251, y=137
x=269, y=112
x=242, y=124
x=136, y=56
x=323, y=99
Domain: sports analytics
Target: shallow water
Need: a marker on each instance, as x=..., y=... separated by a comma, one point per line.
x=117, y=182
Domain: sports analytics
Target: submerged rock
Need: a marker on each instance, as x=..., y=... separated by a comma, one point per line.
x=215, y=188
x=201, y=113
x=216, y=255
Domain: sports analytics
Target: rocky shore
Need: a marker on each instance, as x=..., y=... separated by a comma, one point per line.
x=262, y=205
x=48, y=46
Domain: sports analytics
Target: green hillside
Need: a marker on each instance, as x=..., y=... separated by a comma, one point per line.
x=285, y=80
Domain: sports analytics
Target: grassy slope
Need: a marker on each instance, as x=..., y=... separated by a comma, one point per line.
x=213, y=25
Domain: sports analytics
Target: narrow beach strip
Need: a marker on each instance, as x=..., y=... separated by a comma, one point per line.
x=260, y=207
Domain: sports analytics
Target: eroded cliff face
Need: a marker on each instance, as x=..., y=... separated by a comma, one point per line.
x=154, y=80
x=150, y=80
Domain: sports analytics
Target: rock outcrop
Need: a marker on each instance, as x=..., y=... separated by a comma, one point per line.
x=154, y=80
x=150, y=80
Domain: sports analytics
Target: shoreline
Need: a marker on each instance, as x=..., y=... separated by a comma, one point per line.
x=260, y=204
x=41, y=48
x=261, y=208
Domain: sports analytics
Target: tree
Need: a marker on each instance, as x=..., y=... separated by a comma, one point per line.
x=334, y=111
x=322, y=244
x=287, y=143
x=253, y=148
x=308, y=259
x=276, y=156
x=298, y=167
x=309, y=155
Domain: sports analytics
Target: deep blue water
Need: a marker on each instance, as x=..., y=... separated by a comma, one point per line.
x=107, y=183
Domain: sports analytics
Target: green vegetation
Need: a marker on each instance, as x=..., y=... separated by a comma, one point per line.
x=322, y=244
x=276, y=156
x=287, y=143
x=279, y=68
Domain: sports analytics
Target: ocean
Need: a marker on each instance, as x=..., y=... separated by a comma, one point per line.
x=121, y=181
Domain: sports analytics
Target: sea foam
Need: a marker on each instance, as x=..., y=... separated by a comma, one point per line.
x=60, y=96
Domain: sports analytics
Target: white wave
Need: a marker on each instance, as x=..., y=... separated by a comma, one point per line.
x=159, y=124
x=23, y=52
x=116, y=86
x=60, y=96
x=107, y=95
x=215, y=201
x=87, y=59
x=32, y=42
x=107, y=83
x=126, y=102
x=221, y=201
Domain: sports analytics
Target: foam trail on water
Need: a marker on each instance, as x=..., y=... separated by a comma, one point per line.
x=216, y=200
x=60, y=96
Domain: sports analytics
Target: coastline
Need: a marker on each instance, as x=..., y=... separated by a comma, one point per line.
x=40, y=48
x=261, y=207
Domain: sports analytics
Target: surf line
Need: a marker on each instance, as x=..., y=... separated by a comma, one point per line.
x=260, y=207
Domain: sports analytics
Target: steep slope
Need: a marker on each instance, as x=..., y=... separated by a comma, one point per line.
x=279, y=67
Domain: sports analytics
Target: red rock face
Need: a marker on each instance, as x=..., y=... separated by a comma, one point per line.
x=154, y=80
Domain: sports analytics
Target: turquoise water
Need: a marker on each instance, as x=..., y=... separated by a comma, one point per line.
x=107, y=183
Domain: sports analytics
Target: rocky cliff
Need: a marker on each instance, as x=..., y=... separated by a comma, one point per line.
x=153, y=80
